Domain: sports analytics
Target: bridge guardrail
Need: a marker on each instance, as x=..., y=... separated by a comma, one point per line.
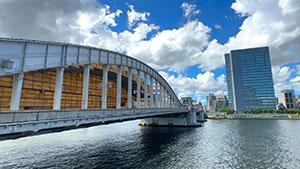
x=41, y=115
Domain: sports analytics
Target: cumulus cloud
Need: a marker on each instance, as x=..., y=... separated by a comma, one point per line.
x=134, y=16
x=174, y=49
x=273, y=23
x=189, y=10
x=201, y=85
x=282, y=79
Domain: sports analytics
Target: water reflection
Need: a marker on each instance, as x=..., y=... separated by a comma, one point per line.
x=219, y=144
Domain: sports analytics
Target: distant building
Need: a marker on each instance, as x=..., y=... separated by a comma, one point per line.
x=249, y=79
x=287, y=99
x=186, y=102
x=211, y=103
x=221, y=102
x=198, y=106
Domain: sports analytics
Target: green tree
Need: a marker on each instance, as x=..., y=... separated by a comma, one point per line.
x=258, y=110
x=227, y=110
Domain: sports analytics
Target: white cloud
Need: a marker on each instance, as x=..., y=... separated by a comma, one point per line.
x=282, y=79
x=201, y=85
x=174, y=49
x=269, y=23
x=298, y=69
x=134, y=16
x=189, y=10
x=274, y=23
x=218, y=26
x=56, y=20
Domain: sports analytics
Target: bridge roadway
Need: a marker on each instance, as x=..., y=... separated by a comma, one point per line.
x=36, y=120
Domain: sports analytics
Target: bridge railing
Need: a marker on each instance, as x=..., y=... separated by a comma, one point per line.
x=7, y=117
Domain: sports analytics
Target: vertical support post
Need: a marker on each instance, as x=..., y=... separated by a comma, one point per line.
x=156, y=93
x=58, y=87
x=85, y=87
x=145, y=90
x=161, y=95
x=129, y=90
x=166, y=98
x=104, y=86
x=151, y=92
x=138, y=89
x=16, y=91
x=169, y=104
x=119, y=87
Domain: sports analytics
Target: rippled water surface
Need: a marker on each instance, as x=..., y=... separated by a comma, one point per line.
x=219, y=144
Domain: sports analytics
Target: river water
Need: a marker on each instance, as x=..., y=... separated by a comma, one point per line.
x=219, y=144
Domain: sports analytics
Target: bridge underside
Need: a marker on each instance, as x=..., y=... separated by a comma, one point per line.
x=22, y=123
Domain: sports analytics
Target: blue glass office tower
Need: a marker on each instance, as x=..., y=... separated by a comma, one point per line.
x=249, y=79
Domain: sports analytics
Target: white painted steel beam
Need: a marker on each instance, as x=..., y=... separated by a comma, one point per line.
x=104, y=86
x=16, y=91
x=85, y=86
x=156, y=93
x=138, y=89
x=58, y=88
x=119, y=87
x=161, y=96
x=129, y=89
x=145, y=90
x=151, y=92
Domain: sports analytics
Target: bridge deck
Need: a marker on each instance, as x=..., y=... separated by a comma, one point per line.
x=12, y=122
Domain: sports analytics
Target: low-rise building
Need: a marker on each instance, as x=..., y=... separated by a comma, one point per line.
x=221, y=102
x=287, y=98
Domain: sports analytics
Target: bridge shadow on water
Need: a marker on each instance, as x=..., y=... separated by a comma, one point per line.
x=147, y=148
x=124, y=145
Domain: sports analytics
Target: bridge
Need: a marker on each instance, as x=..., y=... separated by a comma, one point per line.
x=49, y=85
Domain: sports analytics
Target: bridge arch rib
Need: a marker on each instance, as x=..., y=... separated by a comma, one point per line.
x=18, y=56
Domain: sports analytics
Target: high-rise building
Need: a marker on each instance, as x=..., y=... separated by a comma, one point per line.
x=287, y=98
x=249, y=79
x=211, y=103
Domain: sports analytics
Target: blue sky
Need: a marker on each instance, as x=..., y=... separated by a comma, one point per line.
x=184, y=40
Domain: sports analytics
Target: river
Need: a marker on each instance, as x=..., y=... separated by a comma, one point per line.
x=219, y=144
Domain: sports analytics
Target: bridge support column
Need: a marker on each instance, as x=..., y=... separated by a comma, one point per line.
x=104, y=86
x=58, y=88
x=156, y=93
x=129, y=89
x=178, y=120
x=16, y=91
x=151, y=92
x=85, y=87
x=119, y=87
x=145, y=90
x=138, y=101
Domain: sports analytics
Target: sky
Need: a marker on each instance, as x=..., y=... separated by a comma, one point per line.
x=184, y=40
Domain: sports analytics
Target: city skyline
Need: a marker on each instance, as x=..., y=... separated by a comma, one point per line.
x=193, y=65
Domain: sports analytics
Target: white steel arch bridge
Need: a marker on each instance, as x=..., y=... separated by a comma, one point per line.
x=46, y=85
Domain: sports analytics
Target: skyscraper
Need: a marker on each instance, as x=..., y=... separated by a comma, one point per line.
x=249, y=79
